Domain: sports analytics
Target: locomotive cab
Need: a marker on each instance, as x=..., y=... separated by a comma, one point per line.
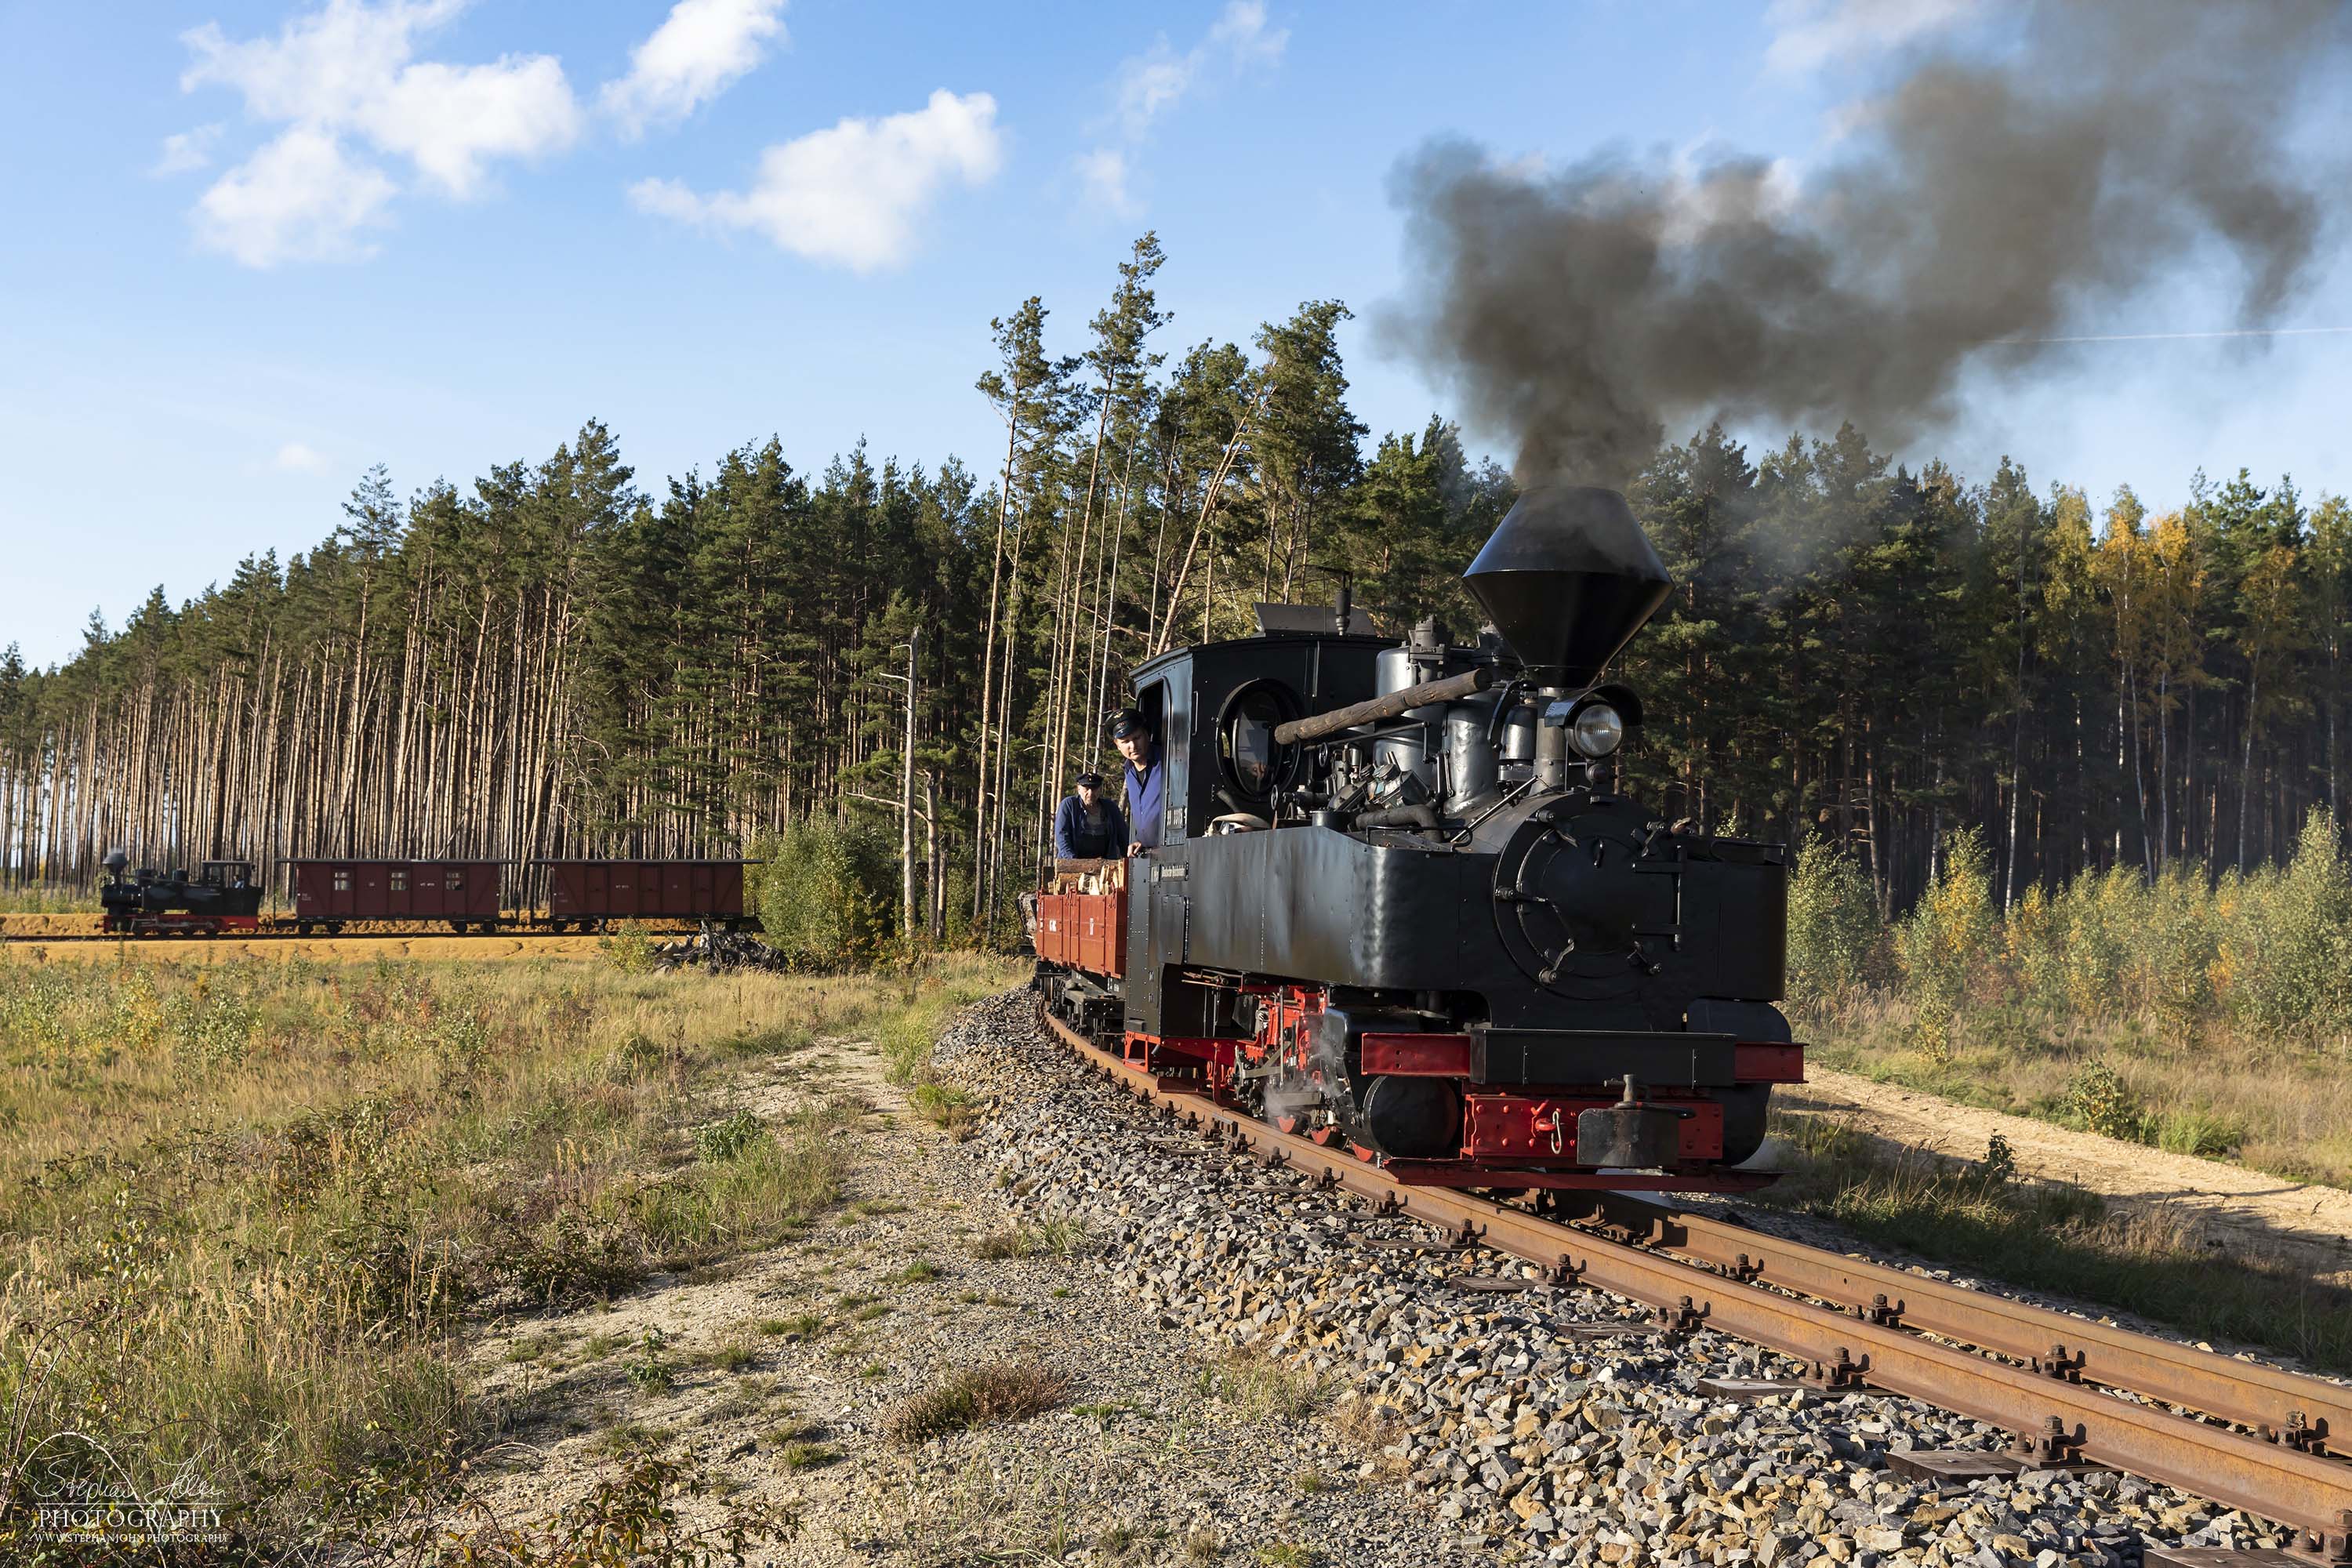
x=1398, y=902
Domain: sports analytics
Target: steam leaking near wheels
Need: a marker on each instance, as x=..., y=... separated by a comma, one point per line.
x=1990, y=196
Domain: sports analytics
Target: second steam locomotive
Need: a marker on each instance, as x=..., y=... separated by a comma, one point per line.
x=1398, y=903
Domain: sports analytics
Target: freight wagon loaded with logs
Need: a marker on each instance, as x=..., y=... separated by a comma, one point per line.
x=1398, y=904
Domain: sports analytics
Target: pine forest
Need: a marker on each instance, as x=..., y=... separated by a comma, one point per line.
x=552, y=661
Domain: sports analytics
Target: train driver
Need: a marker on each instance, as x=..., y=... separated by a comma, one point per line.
x=1144, y=777
x=1088, y=826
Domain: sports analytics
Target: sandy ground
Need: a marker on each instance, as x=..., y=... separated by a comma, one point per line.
x=340, y=949
x=2250, y=1211
x=51, y=925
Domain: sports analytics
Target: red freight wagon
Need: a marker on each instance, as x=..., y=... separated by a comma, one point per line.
x=1082, y=923
x=329, y=893
x=594, y=893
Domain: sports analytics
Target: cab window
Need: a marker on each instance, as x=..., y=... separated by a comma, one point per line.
x=1251, y=758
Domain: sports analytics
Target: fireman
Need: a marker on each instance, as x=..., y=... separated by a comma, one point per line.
x=1088, y=826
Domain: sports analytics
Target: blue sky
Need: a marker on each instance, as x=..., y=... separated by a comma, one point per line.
x=251, y=248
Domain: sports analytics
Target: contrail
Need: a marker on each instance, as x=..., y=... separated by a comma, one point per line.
x=2174, y=337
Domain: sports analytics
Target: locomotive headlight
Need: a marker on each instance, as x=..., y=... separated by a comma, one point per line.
x=1596, y=731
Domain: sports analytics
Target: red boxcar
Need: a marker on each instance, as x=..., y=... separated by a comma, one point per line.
x=595, y=893
x=329, y=893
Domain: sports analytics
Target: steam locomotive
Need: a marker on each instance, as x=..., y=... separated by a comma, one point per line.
x=221, y=897
x=1397, y=903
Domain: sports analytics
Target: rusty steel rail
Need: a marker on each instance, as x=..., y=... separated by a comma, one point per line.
x=2056, y=1420
x=2306, y=1412
x=176, y=940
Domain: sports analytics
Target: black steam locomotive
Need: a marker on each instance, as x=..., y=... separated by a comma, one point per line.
x=1398, y=902
x=223, y=895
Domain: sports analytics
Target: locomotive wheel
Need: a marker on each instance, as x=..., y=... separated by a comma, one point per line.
x=1323, y=1135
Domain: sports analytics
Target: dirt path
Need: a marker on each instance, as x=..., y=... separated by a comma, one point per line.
x=2244, y=1210
x=779, y=1374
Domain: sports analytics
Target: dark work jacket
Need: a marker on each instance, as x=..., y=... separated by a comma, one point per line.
x=1081, y=835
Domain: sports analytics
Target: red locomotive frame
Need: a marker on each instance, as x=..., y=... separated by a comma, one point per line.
x=1508, y=1138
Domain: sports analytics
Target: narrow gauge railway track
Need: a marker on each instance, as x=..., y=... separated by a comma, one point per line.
x=2074, y=1391
x=527, y=932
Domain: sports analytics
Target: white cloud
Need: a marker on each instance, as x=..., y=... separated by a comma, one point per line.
x=450, y=119
x=1808, y=33
x=1103, y=174
x=851, y=195
x=346, y=71
x=294, y=458
x=185, y=151
x=1150, y=84
x=702, y=50
x=297, y=199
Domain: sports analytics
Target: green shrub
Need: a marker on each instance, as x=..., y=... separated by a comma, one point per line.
x=1999, y=1167
x=1944, y=938
x=828, y=893
x=2194, y=1129
x=2179, y=942
x=2292, y=962
x=2099, y=1100
x=1835, y=937
x=943, y=1105
x=725, y=1140
x=629, y=950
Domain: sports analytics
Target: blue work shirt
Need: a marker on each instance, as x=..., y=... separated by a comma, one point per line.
x=1143, y=802
x=1076, y=838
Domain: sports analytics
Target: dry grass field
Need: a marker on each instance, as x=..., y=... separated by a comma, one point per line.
x=2278, y=1106
x=247, y=1207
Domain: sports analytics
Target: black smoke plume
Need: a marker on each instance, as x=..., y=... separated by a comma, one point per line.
x=1985, y=199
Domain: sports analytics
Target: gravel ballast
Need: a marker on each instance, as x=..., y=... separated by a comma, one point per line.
x=1521, y=1435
